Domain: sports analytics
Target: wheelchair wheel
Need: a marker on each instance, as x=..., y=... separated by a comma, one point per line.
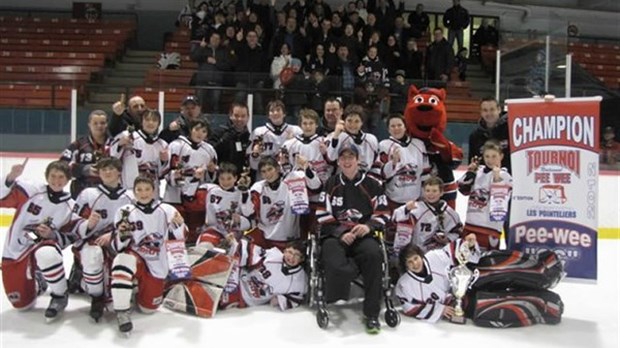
x=392, y=317
x=322, y=318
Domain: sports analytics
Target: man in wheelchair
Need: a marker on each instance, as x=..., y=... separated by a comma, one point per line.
x=352, y=207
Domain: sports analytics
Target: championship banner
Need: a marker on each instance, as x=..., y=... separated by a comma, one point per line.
x=554, y=146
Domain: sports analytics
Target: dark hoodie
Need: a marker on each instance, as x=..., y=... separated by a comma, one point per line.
x=483, y=133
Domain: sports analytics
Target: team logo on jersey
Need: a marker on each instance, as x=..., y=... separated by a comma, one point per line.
x=275, y=212
x=258, y=288
x=479, y=198
x=151, y=242
x=350, y=215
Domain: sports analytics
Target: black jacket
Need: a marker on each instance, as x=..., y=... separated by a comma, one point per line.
x=231, y=145
x=456, y=18
x=483, y=133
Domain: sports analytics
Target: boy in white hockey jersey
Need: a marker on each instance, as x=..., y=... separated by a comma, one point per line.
x=42, y=227
x=430, y=223
x=142, y=231
x=349, y=132
x=477, y=183
x=424, y=288
x=93, y=251
x=404, y=164
x=269, y=276
x=272, y=202
x=142, y=152
x=222, y=203
x=267, y=140
x=193, y=162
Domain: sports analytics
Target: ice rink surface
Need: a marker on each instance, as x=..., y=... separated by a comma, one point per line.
x=591, y=319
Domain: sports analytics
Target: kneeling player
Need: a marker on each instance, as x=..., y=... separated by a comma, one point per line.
x=142, y=231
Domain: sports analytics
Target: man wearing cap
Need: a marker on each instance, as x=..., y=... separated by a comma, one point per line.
x=399, y=90
x=352, y=207
x=191, y=110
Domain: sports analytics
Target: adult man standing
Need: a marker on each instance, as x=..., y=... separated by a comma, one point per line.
x=456, y=19
x=491, y=126
x=83, y=154
x=331, y=115
x=352, y=206
x=439, y=57
x=127, y=115
x=232, y=139
x=191, y=110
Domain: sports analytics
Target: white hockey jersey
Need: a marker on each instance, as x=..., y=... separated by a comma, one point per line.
x=104, y=200
x=187, y=157
x=271, y=208
x=264, y=275
x=310, y=148
x=403, y=181
x=272, y=138
x=479, y=191
x=151, y=227
x=425, y=296
x=425, y=221
x=142, y=159
x=366, y=143
x=220, y=204
x=35, y=204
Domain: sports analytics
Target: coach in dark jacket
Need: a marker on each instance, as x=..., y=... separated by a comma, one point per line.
x=232, y=139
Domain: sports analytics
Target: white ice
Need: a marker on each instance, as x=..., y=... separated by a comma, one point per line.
x=591, y=318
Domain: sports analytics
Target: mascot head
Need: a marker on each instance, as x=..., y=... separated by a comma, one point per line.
x=425, y=110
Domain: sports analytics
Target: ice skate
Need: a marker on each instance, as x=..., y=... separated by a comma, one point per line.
x=124, y=322
x=97, y=307
x=56, y=307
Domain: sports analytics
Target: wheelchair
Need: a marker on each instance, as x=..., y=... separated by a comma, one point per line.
x=316, y=291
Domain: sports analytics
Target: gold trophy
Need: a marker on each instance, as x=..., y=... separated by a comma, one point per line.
x=461, y=278
x=32, y=233
x=244, y=179
x=125, y=234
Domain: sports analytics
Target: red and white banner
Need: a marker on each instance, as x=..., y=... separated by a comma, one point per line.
x=554, y=146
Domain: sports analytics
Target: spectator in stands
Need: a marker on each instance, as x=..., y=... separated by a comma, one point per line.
x=313, y=28
x=296, y=92
x=401, y=33
x=460, y=61
x=485, y=35
x=292, y=37
x=411, y=60
x=229, y=35
x=199, y=24
x=232, y=139
x=399, y=89
x=418, y=21
x=372, y=70
x=191, y=110
x=456, y=19
x=337, y=25
x=214, y=61
x=319, y=90
x=361, y=9
x=371, y=26
x=83, y=154
x=331, y=115
x=391, y=57
x=302, y=8
x=439, y=57
x=252, y=66
x=351, y=40
x=322, y=9
x=345, y=71
x=386, y=12
x=280, y=63
x=491, y=126
x=610, y=149
x=326, y=38
x=375, y=40
x=318, y=60
x=355, y=20
x=127, y=115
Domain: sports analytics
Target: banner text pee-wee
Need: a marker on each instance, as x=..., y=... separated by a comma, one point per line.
x=554, y=149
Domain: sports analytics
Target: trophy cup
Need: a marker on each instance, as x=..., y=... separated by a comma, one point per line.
x=461, y=278
x=126, y=233
x=244, y=180
x=32, y=233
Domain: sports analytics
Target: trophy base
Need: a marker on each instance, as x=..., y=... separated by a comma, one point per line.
x=458, y=320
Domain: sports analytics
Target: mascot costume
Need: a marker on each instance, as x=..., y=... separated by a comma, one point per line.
x=426, y=119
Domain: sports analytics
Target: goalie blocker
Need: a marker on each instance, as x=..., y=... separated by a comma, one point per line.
x=512, y=290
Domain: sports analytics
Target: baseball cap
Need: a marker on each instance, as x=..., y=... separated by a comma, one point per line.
x=190, y=99
x=295, y=62
x=400, y=72
x=349, y=148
